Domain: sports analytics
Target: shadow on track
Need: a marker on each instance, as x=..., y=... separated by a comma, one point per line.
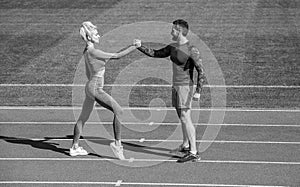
x=133, y=147
x=43, y=144
x=127, y=146
x=39, y=144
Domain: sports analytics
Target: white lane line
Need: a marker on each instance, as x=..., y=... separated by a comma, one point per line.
x=37, y=24
x=55, y=182
x=145, y=108
x=134, y=183
x=141, y=123
x=119, y=182
x=157, y=140
x=148, y=85
x=151, y=160
x=131, y=159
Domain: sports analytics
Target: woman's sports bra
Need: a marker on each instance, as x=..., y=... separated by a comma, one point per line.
x=96, y=67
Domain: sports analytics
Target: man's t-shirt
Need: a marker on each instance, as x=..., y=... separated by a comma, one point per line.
x=184, y=58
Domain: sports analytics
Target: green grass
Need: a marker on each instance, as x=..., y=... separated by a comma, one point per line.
x=255, y=42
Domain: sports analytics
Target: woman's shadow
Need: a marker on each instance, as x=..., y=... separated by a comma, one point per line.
x=44, y=144
x=39, y=144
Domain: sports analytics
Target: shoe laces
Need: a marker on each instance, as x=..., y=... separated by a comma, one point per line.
x=120, y=149
x=189, y=154
x=79, y=149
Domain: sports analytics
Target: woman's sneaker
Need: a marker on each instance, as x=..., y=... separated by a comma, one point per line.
x=117, y=150
x=78, y=151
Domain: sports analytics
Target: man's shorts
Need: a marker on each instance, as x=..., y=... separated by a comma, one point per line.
x=182, y=96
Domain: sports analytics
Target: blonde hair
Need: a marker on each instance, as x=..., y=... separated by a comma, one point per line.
x=86, y=30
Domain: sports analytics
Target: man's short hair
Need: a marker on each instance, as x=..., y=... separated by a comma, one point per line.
x=182, y=23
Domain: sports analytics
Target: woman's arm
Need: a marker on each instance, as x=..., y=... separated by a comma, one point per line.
x=87, y=71
x=98, y=54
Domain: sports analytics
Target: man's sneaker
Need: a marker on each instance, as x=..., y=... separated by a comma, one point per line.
x=117, y=150
x=180, y=150
x=188, y=157
x=78, y=151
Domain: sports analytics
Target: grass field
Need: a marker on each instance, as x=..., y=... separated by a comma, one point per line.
x=255, y=43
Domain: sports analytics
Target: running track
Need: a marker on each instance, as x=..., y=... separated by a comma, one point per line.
x=253, y=148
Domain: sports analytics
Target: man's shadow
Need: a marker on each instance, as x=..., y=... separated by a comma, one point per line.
x=149, y=150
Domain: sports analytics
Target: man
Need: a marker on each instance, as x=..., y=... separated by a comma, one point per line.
x=185, y=58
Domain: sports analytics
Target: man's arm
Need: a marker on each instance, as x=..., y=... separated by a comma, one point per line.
x=195, y=55
x=161, y=53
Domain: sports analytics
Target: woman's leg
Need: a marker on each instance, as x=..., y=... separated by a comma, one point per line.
x=87, y=108
x=95, y=91
x=108, y=102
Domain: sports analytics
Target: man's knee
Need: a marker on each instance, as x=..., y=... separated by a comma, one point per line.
x=120, y=112
x=185, y=115
x=183, y=120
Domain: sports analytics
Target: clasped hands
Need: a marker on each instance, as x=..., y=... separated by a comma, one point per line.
x=137, y=43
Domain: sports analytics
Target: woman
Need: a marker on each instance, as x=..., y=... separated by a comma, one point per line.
x=95, y=60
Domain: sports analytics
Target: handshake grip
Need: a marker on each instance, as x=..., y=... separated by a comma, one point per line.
x=137, y=43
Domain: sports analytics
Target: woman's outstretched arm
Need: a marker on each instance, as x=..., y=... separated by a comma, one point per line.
x=99, y=54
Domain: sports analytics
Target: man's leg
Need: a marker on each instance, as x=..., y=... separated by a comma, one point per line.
x=192, y=155
x=184, y=147
x=185, y=142
x=189, y=129
x=186, y=93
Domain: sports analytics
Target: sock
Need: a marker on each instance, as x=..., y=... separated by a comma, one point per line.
x=193, y=152
x=185, y=145
x=118, y=143
x=75, y=146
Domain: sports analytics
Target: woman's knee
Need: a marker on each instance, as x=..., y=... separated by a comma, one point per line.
x=80, y=122
x=119, y=111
